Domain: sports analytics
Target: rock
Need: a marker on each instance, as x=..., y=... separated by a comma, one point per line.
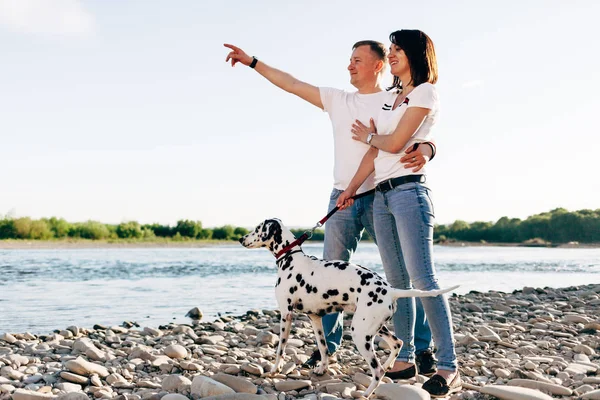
x=73, y=396
x=514, y=393
x=502, y=373
x=214, y=339
x=238, y=396
x=286, y=386
x=152, y=331
x=8, y=338
x=582, y=348
x=393, y=391
x=175, y=351
x=593, y=395
x=204, y=387
x=195, y=314
x=238, y=384
x=266, y=337
x=253, y=369
x=82, y=367
x=68, y=387
x=473, y=307
x=174, y=396
x=22, y=394
x=340, y=387
x=74, y=378
x=175, y=383
x=545, y=387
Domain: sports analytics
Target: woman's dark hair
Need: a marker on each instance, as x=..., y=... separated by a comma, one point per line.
x=420, y=52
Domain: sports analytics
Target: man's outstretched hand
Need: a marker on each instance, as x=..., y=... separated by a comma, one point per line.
x=237, y=55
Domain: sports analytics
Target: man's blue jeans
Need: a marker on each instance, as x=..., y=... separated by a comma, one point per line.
x=404, y=221
x=342, y=234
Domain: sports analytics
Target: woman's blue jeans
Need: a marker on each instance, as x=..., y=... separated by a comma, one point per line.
x=342, y=234
x=403, y=219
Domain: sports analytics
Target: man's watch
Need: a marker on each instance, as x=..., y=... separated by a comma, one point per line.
x=370, y=137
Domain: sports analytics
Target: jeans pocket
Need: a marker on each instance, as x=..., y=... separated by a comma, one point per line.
x=335, y=193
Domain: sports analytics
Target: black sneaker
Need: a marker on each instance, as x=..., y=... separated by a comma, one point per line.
x=426, y=363
x=313, y=360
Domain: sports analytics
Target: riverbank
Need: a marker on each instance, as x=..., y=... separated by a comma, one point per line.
x=17, y=244
x=546, y=339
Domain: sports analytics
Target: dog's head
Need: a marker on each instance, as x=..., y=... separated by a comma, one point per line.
x=268, y=233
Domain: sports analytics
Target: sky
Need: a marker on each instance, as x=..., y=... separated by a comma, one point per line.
x=118, y=111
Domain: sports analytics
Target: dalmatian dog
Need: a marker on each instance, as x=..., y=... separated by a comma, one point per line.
x=318, y=287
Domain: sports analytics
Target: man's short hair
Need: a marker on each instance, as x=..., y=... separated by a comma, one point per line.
x=376, y=47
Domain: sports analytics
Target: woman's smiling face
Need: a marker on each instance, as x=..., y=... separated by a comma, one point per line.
x=398, y=61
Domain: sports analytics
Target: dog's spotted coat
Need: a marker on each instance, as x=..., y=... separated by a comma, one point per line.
x=317, y=287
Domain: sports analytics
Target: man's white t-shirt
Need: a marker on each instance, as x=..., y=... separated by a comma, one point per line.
x=387, y=165
x=343, y=109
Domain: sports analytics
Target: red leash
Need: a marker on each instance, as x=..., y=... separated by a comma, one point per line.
x=308, y=234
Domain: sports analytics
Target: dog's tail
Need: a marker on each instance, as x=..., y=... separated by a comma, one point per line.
x=399, y=293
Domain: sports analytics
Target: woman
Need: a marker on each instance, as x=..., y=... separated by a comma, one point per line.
x=403, y=212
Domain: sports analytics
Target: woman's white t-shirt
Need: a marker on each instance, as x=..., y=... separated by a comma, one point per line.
x=387, y=165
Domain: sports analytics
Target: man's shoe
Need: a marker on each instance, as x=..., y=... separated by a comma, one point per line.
x=313, y=360
x=426, y=363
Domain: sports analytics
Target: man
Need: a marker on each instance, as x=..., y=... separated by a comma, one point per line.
x=344, y=229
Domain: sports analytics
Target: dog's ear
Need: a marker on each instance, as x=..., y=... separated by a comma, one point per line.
x=272, y=229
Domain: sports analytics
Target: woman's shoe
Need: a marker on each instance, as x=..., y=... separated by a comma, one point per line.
x=437, y=386
x=406, y=373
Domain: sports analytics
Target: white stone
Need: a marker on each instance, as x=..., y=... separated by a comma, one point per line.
x=22, y=394
x=239, y=384
x=175, y=351
x=502, y=373
x=82, y=367
x=514, y=393
x=593, y=395
x=73, y=396
x=175, y=383
x=543, y=386
x=68, y=387
x=8, y=338
x=204, y=387
x=393, y=391
x=288, y=385
x=174, y=396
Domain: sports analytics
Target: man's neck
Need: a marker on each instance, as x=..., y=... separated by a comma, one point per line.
x=370, y=89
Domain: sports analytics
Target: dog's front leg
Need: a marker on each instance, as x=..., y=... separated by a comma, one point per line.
x=317, y=324
x=286, y=326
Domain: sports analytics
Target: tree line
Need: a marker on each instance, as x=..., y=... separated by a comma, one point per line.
x=556, y=226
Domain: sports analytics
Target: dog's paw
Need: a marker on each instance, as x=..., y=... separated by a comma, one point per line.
x=276, y=369
x=320, y=370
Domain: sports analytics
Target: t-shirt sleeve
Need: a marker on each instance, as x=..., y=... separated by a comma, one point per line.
x=424, y=96
x=328, y=97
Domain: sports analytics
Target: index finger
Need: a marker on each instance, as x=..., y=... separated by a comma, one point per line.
x=232, y=47
x=360, y=123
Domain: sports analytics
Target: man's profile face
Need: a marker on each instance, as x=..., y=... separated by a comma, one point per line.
x=363, y=66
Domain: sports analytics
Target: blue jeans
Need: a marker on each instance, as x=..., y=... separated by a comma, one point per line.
x=404, y=221
x=342, y=234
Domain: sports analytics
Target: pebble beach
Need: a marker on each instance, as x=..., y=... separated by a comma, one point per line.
x=531, y=344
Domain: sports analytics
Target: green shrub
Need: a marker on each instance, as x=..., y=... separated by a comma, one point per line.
x=90, y=230
x=129, y=230
x=7, y=228
x=223, y=233
x=188, y=228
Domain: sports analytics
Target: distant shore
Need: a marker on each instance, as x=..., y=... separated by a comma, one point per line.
x=15, y=244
